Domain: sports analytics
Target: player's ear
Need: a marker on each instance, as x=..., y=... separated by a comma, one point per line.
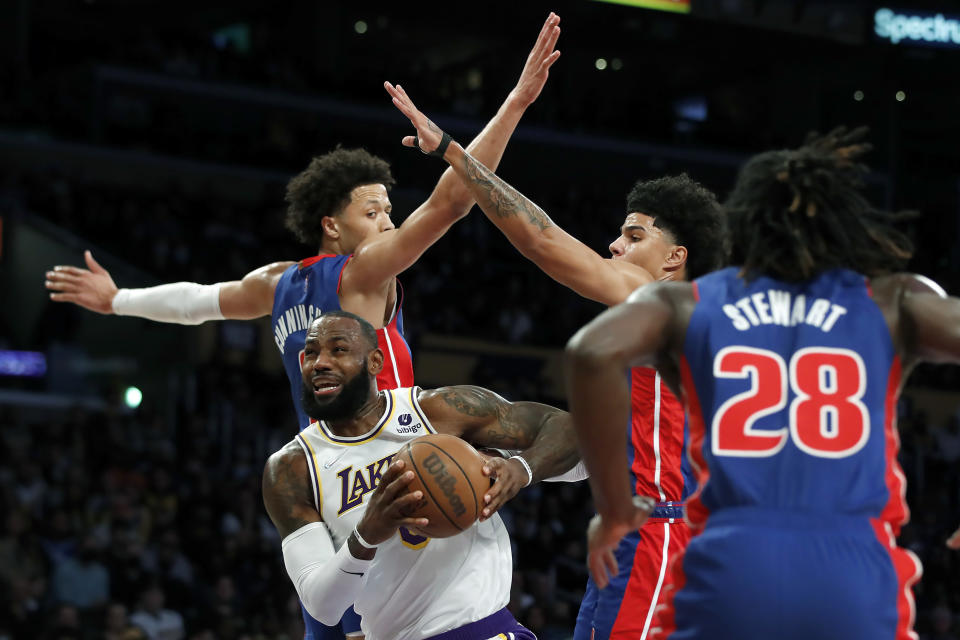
x=330, y=227
x=375, y=361
x=676, y=258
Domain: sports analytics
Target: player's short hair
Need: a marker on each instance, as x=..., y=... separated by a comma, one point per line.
x=690, y=213
x=323, y=189
x=369, y=333
x=796, y=213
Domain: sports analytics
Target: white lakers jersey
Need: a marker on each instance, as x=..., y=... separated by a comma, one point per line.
x=415, y=587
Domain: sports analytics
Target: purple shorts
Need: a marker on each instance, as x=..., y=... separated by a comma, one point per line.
x=497, y=626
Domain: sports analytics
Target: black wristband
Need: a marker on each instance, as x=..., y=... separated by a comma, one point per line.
x=445, y=141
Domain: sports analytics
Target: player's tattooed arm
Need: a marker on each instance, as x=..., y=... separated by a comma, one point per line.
x=480, y=416
x=529, y=229
x=286, y=490
x=498, y=198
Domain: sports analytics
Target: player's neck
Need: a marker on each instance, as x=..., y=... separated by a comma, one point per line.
x=677, y=275
x=366, y=417
x=331, y=247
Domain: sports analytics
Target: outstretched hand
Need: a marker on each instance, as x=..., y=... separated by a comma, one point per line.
x=603, y=537
x=529, y=86
x=541, y=58
x=91, y=288
x=428, y=135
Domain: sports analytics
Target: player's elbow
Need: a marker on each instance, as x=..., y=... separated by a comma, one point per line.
x=324, y=614
x=450, y=203
x=587, y=349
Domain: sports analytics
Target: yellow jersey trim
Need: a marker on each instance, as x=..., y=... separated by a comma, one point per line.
x=372, y=435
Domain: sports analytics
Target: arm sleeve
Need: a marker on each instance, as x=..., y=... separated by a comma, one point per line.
x=178, y=303
x=576, y=474
x=326, y=580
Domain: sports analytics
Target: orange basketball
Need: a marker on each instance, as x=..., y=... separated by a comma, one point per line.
x=449, y=472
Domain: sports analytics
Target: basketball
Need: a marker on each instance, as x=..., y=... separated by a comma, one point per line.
x=449, y=473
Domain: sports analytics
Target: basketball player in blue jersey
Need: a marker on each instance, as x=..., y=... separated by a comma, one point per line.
x=340, y=204
x=790, y=365
x=673, y=231
x=405, y=586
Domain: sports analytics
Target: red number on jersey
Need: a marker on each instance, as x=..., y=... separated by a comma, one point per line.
x=827, y=418
x=733, y=432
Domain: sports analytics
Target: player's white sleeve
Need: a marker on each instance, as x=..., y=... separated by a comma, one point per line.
x=576, y=474
x=326, y=580
x=178, y=302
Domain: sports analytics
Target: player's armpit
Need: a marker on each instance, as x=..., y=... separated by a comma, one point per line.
x=252, y=297
x=286, y=490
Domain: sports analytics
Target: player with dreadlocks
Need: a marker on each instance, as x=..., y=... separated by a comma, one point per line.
x=789, y=364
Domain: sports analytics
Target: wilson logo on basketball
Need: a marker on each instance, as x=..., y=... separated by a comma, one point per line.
x=445, y=481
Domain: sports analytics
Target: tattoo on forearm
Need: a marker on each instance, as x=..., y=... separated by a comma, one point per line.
x=503, y=199
x=517, y=427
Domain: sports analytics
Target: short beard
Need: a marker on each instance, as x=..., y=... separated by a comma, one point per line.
x=354, y=394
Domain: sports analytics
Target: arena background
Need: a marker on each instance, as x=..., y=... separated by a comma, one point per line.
x=160, y=135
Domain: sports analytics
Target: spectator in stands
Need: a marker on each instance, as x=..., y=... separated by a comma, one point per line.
x=82, y=580
x=156, y=621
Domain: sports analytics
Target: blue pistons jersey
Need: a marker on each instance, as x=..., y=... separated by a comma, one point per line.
x=791, y=389
x=310, y=288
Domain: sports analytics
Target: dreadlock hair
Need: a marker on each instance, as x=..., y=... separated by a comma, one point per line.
x=323, y=189
x=690, y=213
x=796, y=213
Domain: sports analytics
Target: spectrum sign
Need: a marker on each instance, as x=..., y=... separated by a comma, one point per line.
x=924, y=29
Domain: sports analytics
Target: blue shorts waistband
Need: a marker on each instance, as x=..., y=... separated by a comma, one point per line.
x=667, y=510
x=488, y=627
x=788, y=519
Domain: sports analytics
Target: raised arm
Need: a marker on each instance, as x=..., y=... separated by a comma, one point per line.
x=529, y=229
x=557, y=253
x=389, y=253
x=177, y=302
x=544, y=434
x=636, y=333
